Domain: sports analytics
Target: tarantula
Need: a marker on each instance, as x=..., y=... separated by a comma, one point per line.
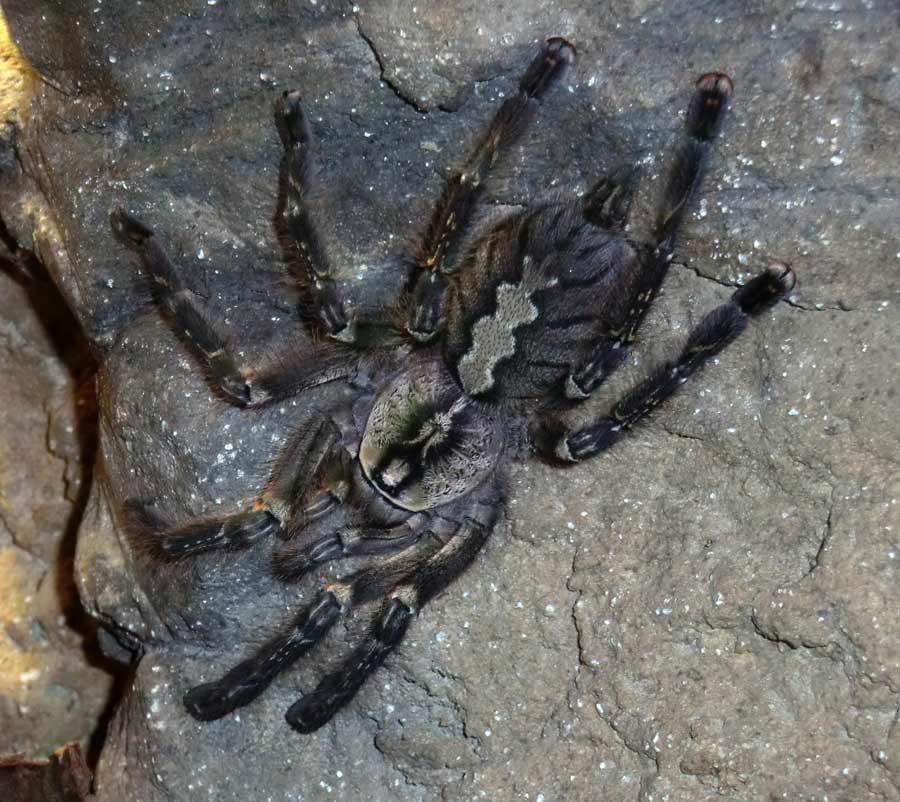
x=500, y=333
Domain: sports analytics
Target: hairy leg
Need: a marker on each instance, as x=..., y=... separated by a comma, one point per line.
x=608, y=203
x=456, y=204
x=247, y=680
x=295, y=559
x=717, y=330
x=308, y=452
x=188, y=313
x=332, y=307
x=400, y=606
x=196, y=537
x=286, y=374
x=251, y=677
x=406, y=581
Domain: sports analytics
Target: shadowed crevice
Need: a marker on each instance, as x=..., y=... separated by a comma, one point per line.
x=73, y=351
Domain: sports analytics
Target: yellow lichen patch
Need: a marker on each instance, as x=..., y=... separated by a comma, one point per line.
x=20, y=666
x=46, y=232
x=18, y=78
x=19, y=84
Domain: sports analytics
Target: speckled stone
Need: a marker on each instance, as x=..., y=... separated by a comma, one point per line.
x=708, y=611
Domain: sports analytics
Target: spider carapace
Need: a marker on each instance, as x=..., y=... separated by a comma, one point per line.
x=501, y=332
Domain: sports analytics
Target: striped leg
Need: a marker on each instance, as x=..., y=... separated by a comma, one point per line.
x=199, y=536
x=454, y=208
x=306, y=460
x=609, y=202
x=249, y=679
x=246, y=681
x=402, y=603
x=187, y=312
x=717, y=330
x=196, y=326
x=295, y=559
x=333, y=309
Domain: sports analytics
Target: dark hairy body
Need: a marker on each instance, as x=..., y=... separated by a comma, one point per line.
x=498, y=336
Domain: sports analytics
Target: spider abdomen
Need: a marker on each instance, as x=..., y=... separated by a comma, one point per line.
x=531, y=300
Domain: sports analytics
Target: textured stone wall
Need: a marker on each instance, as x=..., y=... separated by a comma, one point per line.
x=53, y=685
x=710, y=610
x=52, y=689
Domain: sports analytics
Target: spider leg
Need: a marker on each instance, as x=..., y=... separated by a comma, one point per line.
x=190, y=317
x=332, y=308
x=206, y=534
x=308, y=452
x=286, y=374
x=702, y=123
x=715, y=331
x=293, y=560
x=401, y=604
x=247, y=680
x=311, y=712
x=291, y=371
x=457, y=202
x=308, y=458
x=609, y=204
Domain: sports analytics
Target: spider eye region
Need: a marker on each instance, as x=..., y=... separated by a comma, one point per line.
x=393, y=475
x=436, y=430
x=425, y=443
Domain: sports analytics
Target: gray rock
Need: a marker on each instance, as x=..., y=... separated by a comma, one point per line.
x=710, y=609
x=53, y=687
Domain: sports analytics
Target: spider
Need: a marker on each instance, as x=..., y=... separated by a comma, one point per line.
x=500, y=332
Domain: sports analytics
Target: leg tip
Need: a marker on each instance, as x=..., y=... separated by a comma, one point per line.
x=560, y=48
x=235, y=390
x=345, y=334
x=291, y=100
x=294, y=117
x=140, y=510
x=709, y=104
x=129, y=230
x=548, y=67
x=305, y=716
x=716, y=84
x=783, y=276
x=205, y=702
x=765, y=289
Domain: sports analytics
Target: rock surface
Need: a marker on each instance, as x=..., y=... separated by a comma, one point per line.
x=711, y=609
x=64, y=777
x=52, y=686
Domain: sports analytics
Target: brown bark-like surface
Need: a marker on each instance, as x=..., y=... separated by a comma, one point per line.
x=64, y=777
